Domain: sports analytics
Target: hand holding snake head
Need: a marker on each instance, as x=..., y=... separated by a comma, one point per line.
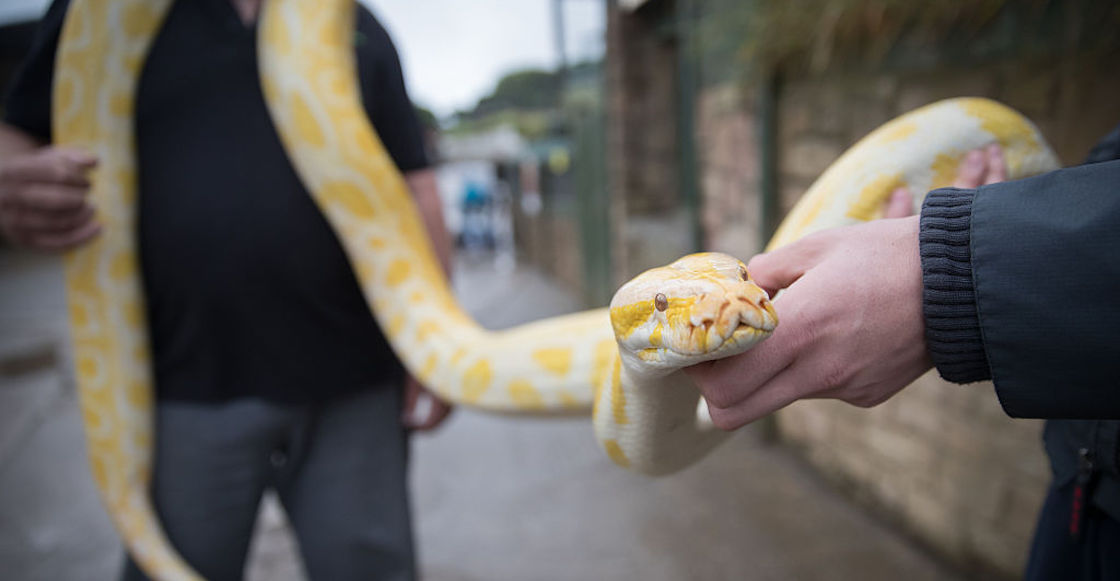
x=700, y=308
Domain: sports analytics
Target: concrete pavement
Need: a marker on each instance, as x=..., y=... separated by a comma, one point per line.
x=495, y=498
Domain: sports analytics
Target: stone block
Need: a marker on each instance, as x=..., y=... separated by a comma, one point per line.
x=1030, y=89
x=918, y=90
x=790, y=192
x=737, y=240
x=1003, y=552
x=795, y=115
x=973, y=488
x=913, y=413
x=928, y=515
x=807, y=157
x=899, y=447
x=865, y=116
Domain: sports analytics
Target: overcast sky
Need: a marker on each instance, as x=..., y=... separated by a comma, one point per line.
x=454, y=51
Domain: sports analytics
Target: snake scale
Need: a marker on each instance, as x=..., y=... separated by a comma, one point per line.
x=622, y=361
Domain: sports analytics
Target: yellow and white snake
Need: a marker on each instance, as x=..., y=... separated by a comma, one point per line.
x=624, y=360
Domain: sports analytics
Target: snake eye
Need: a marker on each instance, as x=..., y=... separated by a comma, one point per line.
x=661, y=302
x=743, y=273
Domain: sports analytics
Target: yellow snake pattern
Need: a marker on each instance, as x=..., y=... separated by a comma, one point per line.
x=307, y=71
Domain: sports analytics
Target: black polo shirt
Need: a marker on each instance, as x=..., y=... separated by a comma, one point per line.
x=249, y=293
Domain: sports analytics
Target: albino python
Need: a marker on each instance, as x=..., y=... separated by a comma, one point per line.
x=645, y=415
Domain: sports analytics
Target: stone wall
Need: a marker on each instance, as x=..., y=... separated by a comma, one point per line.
x=650, y=225
x=728, y=154
x=942, y=461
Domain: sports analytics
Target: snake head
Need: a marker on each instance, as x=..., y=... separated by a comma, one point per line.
x=702, y=307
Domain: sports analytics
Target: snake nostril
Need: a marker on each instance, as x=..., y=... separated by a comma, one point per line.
x=661, y=302
x=743, y=274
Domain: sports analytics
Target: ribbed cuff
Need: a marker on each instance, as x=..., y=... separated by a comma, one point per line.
x=948, y=295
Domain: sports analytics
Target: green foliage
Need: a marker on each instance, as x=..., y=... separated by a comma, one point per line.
x=426, y=117
x=532, y=125
x=530, y=100
x=819, y=30
x=527, y=89
x=814, y=33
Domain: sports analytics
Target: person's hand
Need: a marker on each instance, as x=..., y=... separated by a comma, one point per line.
x=978, y=168
x=851, y=325
x=43, y=199
x=423, y=410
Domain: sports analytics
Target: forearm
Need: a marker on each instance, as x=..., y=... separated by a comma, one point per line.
x=425, y=191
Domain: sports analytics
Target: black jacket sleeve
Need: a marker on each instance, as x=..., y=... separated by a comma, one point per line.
x=1022, y=286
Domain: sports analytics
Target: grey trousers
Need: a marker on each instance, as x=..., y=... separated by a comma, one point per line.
x=339, y=469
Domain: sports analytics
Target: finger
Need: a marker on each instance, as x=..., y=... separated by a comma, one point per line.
x=970, y=174
x=51, y=165
x=78, y=156
x=438, y=412
x=55, y=222
x=900, y=204
x=800, y=380
x=409, y=401
x=55, y=242
x=725, y=383
x=767, y=400
x=997, y=167
x=50, y=197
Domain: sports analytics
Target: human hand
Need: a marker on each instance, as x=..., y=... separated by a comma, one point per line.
x=43, y=199
x=978, y=168
x=423, y=410
x=851, y=325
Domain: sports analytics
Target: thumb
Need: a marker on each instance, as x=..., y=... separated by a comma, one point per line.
x=777, y=269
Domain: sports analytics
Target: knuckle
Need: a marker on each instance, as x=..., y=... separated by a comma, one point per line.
x=835, y=375
x=59, y=170
x=806, y=331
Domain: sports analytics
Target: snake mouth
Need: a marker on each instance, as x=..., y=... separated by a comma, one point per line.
x=742, y=338
x=753, y=326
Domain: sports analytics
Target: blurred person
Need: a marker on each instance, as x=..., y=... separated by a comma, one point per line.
x=271, y=372
x=1014, y=282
